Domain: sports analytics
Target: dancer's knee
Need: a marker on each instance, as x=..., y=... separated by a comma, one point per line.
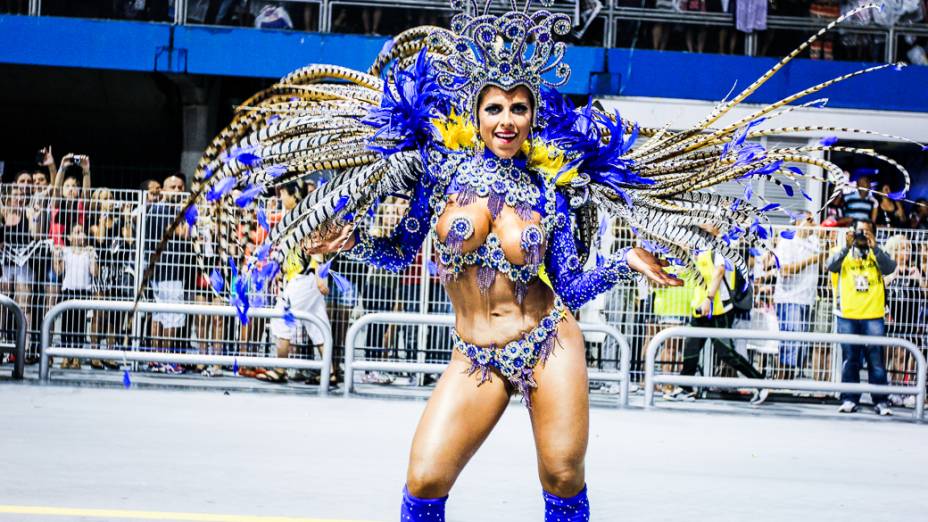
x=427, y=481
x=564, y=478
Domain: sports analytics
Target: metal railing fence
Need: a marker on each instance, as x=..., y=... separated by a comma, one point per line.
x=609, y=28
x=443, y=320
x=136, y=353
x=18, y=347
x=122, y=228
x=652, y=378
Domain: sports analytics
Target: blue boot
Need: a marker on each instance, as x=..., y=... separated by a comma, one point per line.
x=573, y=509
x=422, y=509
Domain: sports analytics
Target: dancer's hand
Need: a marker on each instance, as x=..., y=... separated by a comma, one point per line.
x=331, y=241
x=645, y=263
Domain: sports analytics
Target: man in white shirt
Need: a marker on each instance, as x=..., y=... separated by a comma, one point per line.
x=794, y=293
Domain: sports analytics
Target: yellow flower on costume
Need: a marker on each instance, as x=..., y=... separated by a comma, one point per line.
x=549, y=160
x=456, y=132
x=543, y=275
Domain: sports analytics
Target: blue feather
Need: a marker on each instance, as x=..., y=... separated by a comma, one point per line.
x=249, y=195
x=829, y=141
x=342, y=202
x=342, y=283
x=220, y=189
x=216, y=280
x=788, y=189
x=191, y=215
x=771, y=206
x=248, y=159
x=275, y=171
x=896, y=196
x=262, y=252
x=404, y=118
x=323, y=269
x=288, y=317
x=788, y=234
x=433, y=268
x=262, y=220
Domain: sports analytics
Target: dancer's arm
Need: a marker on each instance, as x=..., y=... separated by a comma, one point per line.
x=577, y=286
x=394, y=252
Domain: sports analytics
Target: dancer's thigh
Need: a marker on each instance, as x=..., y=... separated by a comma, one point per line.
x=561, y=413
x=457, y=419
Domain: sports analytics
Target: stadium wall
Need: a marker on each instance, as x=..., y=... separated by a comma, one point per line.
x=196, y=50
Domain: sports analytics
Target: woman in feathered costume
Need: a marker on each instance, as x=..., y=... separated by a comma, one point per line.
x=514, y=183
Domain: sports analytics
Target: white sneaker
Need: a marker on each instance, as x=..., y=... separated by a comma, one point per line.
x=377, y=378
x=909, y=401
x=759, y=397
x=680, y=395
x=896, y=400
x=882, y=409
x=847, y=407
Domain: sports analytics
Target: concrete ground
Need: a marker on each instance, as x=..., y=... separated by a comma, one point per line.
x=86, y=453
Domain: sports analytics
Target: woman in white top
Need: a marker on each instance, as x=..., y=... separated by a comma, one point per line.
x=76, y=266
x=795, y=290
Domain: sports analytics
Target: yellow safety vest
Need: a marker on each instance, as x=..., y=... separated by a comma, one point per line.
x=705, y=263
x=859, y=290
x=294, y=265
x=674, y=301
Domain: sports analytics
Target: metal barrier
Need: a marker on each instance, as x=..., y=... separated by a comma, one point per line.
x=19, y=347
x=324, y=366
x=729, y=382
x=351, y=338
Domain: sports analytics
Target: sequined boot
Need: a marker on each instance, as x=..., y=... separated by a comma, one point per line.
x=573, y=509
x=422, y=509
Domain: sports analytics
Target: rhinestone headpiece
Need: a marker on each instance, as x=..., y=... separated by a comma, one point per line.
x=512, y=49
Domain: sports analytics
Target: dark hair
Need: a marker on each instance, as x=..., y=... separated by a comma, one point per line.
x=70, y=175
x=178, y=174
x=292, y=188
x=147, y=182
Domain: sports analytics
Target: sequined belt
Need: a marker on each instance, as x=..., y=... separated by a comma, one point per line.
x=516, y=359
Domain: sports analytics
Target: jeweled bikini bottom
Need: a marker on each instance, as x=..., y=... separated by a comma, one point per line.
x=516, y=360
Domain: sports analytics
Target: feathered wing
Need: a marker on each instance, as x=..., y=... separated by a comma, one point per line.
x=320, y=118
x=660, y=189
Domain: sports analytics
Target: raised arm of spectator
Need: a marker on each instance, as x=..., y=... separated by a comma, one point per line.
x=48, y=161
x=885, y=261
x=85, y=184
x=66, y=162
x=834, y=262
x=799, y=266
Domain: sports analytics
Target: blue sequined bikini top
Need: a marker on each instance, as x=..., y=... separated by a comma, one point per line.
x=503, y=182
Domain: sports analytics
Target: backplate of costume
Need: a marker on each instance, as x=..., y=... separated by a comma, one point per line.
x=406, y=128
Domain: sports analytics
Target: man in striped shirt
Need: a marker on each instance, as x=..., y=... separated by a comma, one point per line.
x=858, y=204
